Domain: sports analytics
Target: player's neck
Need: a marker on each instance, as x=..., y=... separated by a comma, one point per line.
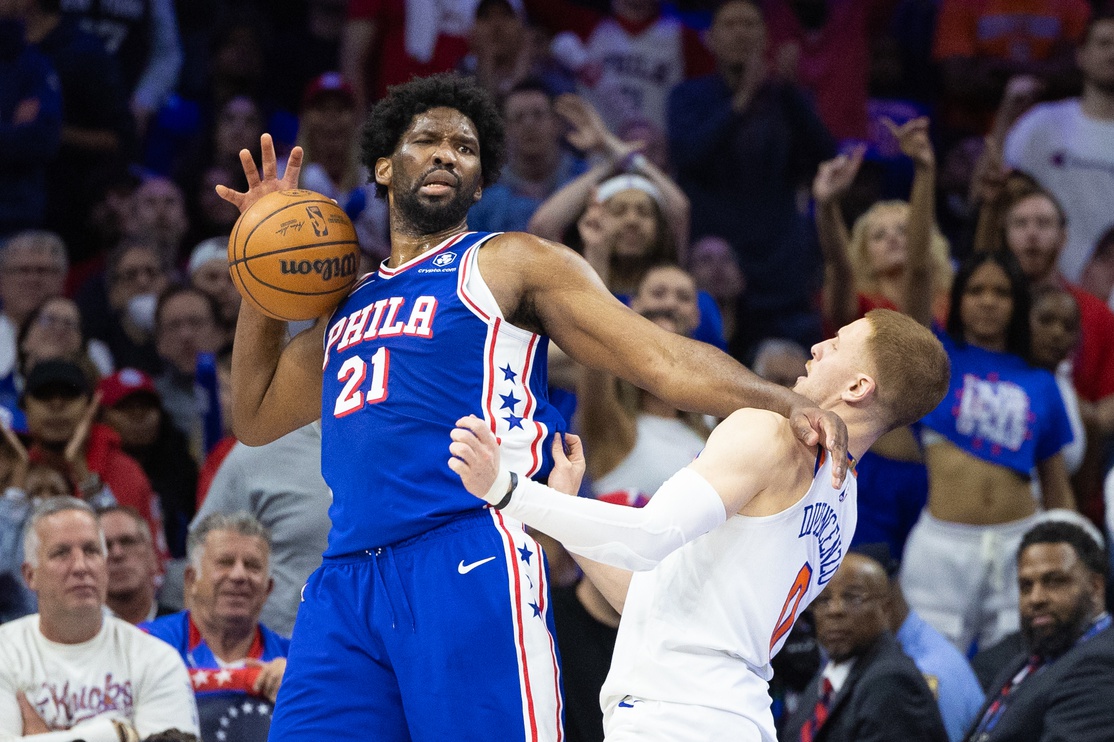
x=407, y=243
x=1097, y=103
x=862, y=429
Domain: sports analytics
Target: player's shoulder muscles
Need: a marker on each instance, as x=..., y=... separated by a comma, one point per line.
x=539, y=279
x=744, y=454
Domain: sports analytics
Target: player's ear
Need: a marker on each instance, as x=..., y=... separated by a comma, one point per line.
x=28, y=575
x=860, y=390
x=479, y=192
x=383, y=171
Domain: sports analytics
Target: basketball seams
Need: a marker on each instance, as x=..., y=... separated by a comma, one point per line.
x=256, y=288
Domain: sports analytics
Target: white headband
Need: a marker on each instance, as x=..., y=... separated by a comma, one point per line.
x=628, y=182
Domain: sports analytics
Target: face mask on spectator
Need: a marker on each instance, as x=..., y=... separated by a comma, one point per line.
x=141, y=311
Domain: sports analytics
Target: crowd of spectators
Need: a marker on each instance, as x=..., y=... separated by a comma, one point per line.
x=753, y=173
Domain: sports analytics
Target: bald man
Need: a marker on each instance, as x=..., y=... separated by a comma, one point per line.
x=869, y=691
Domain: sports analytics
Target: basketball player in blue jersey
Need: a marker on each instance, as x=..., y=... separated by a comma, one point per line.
x=429, y=618
x=712, y=573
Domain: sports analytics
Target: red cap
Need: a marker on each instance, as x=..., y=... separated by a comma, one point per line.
x=328, y=83
x=124, y=383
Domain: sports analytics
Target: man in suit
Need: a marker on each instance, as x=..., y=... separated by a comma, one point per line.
x=1053, y=690
x=868, y=691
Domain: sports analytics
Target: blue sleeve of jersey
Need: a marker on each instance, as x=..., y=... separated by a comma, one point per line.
x=1054, y=430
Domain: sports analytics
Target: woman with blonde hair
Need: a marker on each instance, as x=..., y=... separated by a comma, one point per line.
x=894, y=258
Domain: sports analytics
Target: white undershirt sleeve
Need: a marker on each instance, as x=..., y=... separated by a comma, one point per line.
x=685, y=507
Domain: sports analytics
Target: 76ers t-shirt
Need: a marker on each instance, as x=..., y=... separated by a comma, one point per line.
x=1000, y=409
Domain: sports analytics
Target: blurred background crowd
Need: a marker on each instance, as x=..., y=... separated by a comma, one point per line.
x=753, y=173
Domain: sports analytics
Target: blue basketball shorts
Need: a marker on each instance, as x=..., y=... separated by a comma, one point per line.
x=445, y=636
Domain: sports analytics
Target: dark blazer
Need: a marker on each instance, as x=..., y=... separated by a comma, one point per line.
x=884, y=699
x=1071, y=699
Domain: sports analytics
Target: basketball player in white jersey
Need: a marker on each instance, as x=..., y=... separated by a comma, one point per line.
x=712, y=573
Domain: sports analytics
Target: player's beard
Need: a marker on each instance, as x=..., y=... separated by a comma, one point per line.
x=430, y=217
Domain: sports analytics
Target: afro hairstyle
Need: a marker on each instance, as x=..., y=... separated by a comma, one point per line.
x=392, y=116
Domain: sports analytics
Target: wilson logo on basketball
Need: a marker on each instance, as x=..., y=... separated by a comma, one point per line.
x=327, y=269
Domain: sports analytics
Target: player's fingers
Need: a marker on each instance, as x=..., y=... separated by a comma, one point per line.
x=250, y=170
x=267, y=154
x=463, y=451
x=233, y=197
x=293, y=166
x=574, y=446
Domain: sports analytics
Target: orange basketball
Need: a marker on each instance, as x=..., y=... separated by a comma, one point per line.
x=294, y=255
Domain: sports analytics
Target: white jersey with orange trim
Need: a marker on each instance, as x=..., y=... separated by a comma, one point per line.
x=701, y=627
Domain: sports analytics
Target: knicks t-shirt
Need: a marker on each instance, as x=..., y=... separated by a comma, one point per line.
x=1000, y=409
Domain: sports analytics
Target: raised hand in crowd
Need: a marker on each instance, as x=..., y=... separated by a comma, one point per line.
x=14, y=461
x=912, y=137
x=835, y=176
x=77, y=448
x=588, y=131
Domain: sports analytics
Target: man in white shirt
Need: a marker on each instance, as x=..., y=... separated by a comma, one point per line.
x=1068, y=146
x=73, y=670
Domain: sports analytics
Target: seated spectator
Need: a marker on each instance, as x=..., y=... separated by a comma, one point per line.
x=158, y=214
x=1001, y=419
x=712, y=262
x=55, y=331
x=869, y=689
x=72, y=670
x=1052, y=689
x=187, y=323
x=329, y=133
x=280, y=484
x=949, y=677
x=232, y=657
x=33, y=268
x=131, y=406
x=632, y=439
x=1068, y=147
x=133, y=565
x=742, y=143
x=119, y=307
x=780, y=361
x=60, y=411
x=981, y=44
x=208, y=271
x=537, y=164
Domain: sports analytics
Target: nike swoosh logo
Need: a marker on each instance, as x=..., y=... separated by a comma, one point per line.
x=625, y=705
x=466, y=568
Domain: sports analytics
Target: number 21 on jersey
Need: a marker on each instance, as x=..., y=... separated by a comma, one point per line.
x=352, y=374
x=792, y=602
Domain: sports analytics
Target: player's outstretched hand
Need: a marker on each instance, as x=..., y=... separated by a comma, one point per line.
x=475, y=455
x=813, y=425
x=568, y=464
x=271, y=182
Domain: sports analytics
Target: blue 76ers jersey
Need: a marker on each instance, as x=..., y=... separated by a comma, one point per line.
x=412, y=350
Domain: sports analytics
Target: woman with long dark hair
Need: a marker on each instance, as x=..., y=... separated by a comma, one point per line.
x=1002, y=418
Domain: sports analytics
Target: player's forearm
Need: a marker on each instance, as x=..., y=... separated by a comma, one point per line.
x=684, y=508
x=273, y=389
x=612, y=582
x=698, y=377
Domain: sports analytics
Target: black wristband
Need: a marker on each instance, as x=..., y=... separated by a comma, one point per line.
x=510, y=491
